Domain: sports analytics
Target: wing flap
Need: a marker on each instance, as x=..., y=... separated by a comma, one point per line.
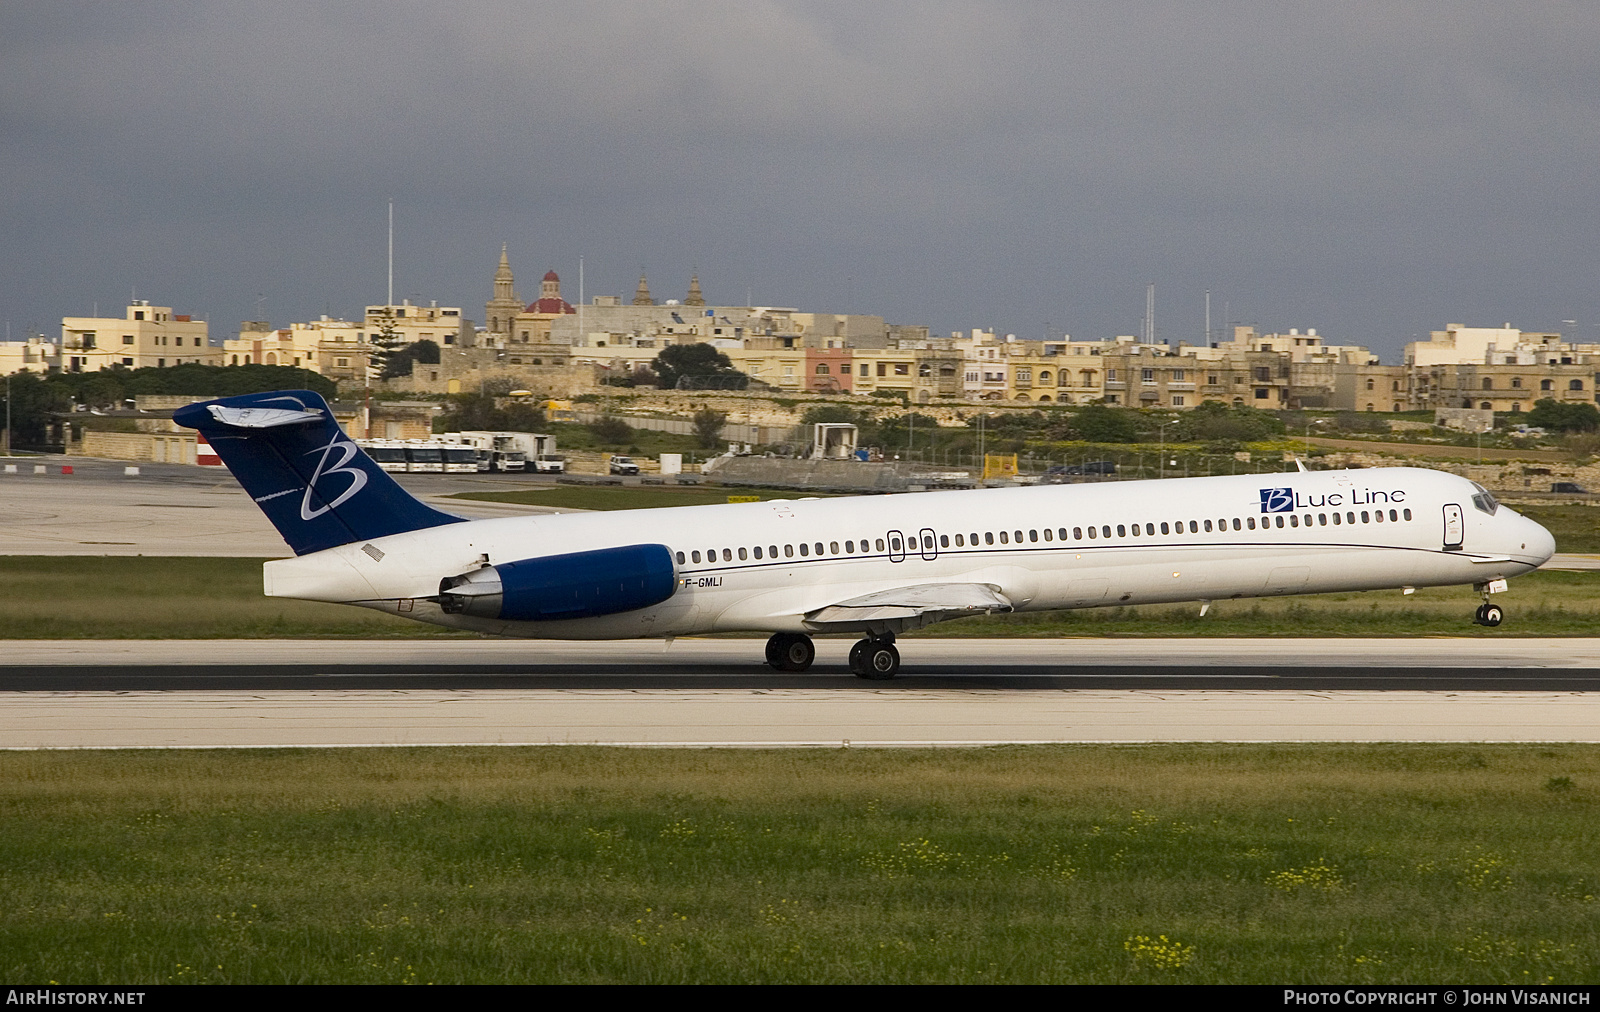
x=921, y=603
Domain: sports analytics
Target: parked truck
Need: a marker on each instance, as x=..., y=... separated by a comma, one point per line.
x=513, y=451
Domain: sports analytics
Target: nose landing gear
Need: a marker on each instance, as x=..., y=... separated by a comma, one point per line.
x=1489, y=614
x=790, y=651
x=875, y=658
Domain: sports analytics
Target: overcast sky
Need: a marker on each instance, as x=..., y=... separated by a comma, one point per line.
x=1375, y=170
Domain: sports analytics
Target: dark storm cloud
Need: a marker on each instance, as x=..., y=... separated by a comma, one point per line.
x=1370, y=169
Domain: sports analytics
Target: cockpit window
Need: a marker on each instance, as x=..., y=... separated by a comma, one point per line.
x=1483, y=500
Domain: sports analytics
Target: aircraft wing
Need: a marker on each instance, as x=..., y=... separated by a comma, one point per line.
x=912, y=606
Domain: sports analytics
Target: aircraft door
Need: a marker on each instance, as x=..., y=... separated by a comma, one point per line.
x=1454, y=527
x=930, y=545
x=897, y=547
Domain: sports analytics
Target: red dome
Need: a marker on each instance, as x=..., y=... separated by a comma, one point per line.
x=551, y=276
x=551, y=306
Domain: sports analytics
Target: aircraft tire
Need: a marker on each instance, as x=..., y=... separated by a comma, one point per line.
x=882, y=661
x=1492, y=615
x=790, y=652
x=858, y=658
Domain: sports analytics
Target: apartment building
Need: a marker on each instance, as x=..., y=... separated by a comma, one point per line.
x=147, y=335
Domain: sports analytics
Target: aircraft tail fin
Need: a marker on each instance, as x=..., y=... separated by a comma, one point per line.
x=316, y=486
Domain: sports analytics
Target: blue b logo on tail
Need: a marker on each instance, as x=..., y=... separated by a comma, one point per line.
x=1277, y=500
x=287, y=443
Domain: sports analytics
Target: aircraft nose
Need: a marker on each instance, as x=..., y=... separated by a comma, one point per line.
x=1540, y=543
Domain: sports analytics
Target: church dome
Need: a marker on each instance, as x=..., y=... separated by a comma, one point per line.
x=551, y=276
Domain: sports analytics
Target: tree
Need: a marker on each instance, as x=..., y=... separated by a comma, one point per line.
x=708, y=424
x=1564, y=417
x=1097, y=423
x=611, y=429
x=699, y=362
x=385, y=343
x=400, y=361
x=480, y=411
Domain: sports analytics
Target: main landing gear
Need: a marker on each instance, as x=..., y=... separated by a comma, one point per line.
x=875, y=658
x=790, y=651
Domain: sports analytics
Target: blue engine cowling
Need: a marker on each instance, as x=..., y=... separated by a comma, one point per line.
x=578, y=585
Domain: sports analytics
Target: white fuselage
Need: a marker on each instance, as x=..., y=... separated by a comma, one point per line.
x=1049, y=547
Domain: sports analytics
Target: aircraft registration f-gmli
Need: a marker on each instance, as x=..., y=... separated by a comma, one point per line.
x=875, y=565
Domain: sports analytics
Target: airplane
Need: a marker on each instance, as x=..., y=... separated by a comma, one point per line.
x=873, y=565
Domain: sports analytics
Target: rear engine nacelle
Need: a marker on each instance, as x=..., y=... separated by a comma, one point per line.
x=579, y=585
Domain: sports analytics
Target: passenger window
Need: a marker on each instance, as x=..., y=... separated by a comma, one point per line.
x=1134, y=528
x=988, y=537
x=944, y=541
x=1164, y=529
x=727, y=555
x=1235, y=523
x=850, y=548
x=1208, y=526
x=1377, y=515
x=1047, y=534
x=1033, y=535
x=894, y=544
x=1336, y=519
x=772, y=550
x=1106, y=530
x=1004, y=540
x=1322, y=519
x=1018, y=536
x=1077, y=534
x=1194, y=528
x=680, y=558
x=1150, y=529
x=742, y=555
x=1062, y=534
x=696, y=556
x=1394, y=517
x=1406, y=514
x=1279, y=520
x=1294, y=520
x=788, y=551
x=1349, y=518
x=805, y=549
x=758, y=551
x=879, y=543
x=961, y=541
x=1250, y=522
x=1122, y=531
x=1091, y=534
x=833, y=548
x=1364, y=517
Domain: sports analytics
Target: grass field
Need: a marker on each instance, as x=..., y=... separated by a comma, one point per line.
x=101, y=597
x=1184, y=863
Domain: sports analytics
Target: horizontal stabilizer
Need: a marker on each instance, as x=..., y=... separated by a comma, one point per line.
x=263, y=418
x=919, y=604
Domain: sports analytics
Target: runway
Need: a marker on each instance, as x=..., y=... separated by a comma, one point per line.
x=136, y=694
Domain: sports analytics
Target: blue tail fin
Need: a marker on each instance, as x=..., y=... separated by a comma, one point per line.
x=316, y=486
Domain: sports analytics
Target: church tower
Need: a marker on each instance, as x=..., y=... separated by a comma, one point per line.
x=502, y=310
x=641, y=296
x=694, y=297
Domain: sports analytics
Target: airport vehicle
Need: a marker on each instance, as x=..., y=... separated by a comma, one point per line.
x=460, y=459
x=513, y=451
x=550, y=463
x=877, y=565
x=389, y=454
x=623, y=465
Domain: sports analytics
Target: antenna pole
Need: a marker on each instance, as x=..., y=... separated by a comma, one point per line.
x=1208, y=318
x=391, y=253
